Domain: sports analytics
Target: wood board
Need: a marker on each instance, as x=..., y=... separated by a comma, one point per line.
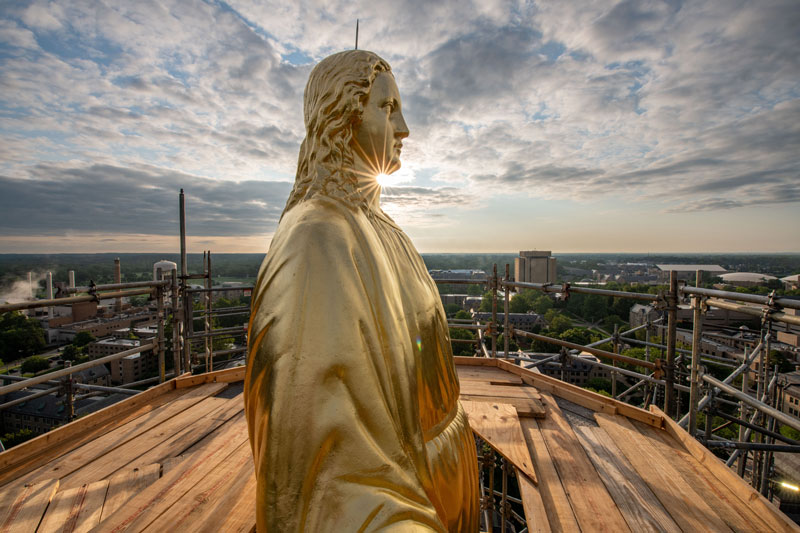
x=498, y=424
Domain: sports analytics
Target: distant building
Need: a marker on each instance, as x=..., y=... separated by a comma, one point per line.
x=458, y=273
x=791, y=283
x=535, y=267
x=128, y=369
x=688, y=271
x=102, y=327
x=790, y=387
x=713, y=317
x=579, y=371
x=454, y=299
x=746, y=279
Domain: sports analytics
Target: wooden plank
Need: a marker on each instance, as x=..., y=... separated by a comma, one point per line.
x=738, y=516
x=474, y=361
x=525, y=408
x=125, y=485
x=680, y=500
x=171, y=463
x=498, y=425
x=149, y=504
x=75, y=510
x=594, y=508
x=479, y=388
x=182, y=440
x=575, y=394
x=145, y=442
x=636, y=502
x=486, y=373
x=220, y=376
x=233, y=425
x=209, y=498
x=66, y=438
x=237, y=514
x=105, y=444
x=533, y=504
x=748, y=495
x=22, y=510
x=559, y=511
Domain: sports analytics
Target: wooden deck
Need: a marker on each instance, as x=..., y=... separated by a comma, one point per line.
x=178, y=456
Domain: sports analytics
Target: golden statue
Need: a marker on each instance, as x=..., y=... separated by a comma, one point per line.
x=351, y=393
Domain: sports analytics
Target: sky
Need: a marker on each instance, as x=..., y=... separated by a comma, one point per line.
x=580, y=126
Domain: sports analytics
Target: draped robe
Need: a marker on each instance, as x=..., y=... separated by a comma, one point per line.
x=351, y=394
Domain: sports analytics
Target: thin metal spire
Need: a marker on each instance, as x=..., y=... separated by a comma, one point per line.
x=356, y=34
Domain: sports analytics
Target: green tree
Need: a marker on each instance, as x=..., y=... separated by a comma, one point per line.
x=35, y=364
x=560, y=324
x=576, y=335
x=451, y=309
x=18, y=437
x=599, y=384
x=462, y=348
x=486, y=303
x=70, y=353
x=542, y=304
x=463, y=315
x=551, y=314
x=519, y=304
x=20, y=336
x=82, y=338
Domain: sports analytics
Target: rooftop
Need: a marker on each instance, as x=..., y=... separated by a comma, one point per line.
x=178, y=456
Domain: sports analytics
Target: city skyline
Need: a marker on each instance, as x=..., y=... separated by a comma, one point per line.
x=572, y=127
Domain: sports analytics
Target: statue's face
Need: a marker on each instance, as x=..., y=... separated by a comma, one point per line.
x=378, y=138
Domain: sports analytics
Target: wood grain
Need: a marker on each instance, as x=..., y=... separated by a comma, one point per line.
x=75, y=510
x=498, y=424
x=125, y=485
x=22, y=510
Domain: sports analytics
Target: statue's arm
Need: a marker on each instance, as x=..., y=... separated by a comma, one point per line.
x=331, y=397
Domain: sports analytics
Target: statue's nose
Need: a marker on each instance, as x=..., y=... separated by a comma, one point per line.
x=401, y=128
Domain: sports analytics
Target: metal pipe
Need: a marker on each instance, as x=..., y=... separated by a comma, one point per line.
x=672, y=323
x=548, y=287
x=160, y=319
x=176, y=325
x=461, y=281
x=494, y=311
x=743, y=297
x=754, y=427
x=4, y=308
x=755, y=446
x=24, y=399
x=696, y=336
x=103, y=388
x=71, y=370
x=182, y=215
x=506, y=298
x=218, y=289
x=626, y=372
x=536, y=362
x=236, y=330
x=115, y=286
x=783, y=418
x=753, y=311
x=593, y=351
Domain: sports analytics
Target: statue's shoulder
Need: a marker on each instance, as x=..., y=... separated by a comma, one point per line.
x=322, y=221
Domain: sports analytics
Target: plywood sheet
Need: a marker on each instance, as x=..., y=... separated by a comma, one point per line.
x=22, y=510
x=560, y=515
x=685, y=506
x=125, y=485
x=593, y=506
x=149, y=504
x=525, y=408
x=498, y=424
x=636, y=502
x=75, y=510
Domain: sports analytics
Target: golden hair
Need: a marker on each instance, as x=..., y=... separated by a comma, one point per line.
x=333, y=103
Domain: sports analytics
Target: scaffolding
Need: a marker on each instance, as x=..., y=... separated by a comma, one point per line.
x=680, y=370
x=755, y=406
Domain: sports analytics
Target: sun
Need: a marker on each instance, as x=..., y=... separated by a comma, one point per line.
x=384, y=180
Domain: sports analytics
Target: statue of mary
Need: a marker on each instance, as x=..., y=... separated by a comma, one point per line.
x=351, y=393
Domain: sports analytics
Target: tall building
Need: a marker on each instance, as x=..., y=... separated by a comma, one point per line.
x=535, y=267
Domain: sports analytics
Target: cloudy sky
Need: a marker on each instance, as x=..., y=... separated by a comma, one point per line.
x=572, y=126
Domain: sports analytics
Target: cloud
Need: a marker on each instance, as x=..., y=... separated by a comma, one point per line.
x=694, y=105
x=59, y=199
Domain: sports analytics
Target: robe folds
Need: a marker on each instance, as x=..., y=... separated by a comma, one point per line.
x=351, y=394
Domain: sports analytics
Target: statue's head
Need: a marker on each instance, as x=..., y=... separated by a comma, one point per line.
x=351, y=112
